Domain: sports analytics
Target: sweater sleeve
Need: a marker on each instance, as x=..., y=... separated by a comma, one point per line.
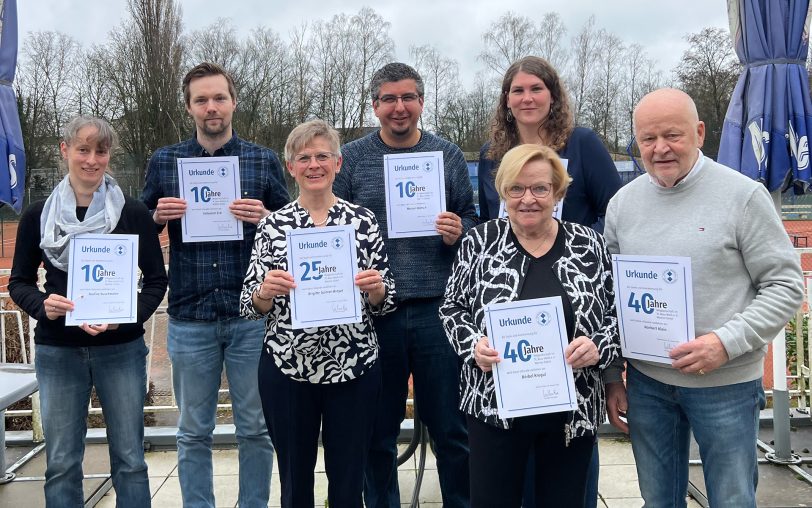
x=455, y=312
x=150, y=261
x=22, y=284
x=775, y=272
x=461, y=193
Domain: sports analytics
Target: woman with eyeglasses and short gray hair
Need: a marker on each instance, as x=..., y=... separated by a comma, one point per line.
x=529, y=254
x=72, y=360
x=321, y=378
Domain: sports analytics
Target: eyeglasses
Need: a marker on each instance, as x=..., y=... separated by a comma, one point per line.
x=407, y=98
x=321, y=158
x=541, y=190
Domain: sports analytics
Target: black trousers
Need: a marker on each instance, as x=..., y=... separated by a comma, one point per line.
x=498, y=458
x=295, y=411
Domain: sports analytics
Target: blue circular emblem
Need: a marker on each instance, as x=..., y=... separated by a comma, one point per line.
x=543, y=318
x=337, y=242
x=427, y=166
x=223, y=171
x=670, y=276
x=120, y=249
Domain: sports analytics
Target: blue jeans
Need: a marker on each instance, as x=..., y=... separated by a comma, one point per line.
x=412, y=340
x=724, y=421
x=66, y=376
x=198, y=350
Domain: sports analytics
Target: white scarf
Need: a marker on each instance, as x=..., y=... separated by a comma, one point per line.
x=58, y=222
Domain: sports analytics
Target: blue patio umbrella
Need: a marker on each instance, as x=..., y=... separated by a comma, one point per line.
x=770, y=114
x=12, y=153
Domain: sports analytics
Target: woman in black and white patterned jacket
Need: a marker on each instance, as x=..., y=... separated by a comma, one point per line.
x=324, y=378
x=528, y=255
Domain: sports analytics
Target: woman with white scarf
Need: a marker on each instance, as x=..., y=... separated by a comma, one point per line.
x=72, y=360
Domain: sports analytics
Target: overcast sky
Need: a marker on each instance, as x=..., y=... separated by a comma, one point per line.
x=455, y=30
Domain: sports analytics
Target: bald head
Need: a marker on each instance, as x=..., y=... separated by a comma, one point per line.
x=669, y=134
x=667, y=97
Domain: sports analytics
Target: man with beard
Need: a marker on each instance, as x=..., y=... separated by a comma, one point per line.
x=411, y=338
x=205, y=279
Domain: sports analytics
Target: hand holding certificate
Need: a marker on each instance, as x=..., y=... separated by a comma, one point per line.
x=533, y=376
x=323, y=264
x=102, y=278
x=415, y=193
x=209, y=185
x=655, y=305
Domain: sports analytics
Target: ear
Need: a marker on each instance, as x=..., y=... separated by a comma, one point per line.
x=289, y=165
x=700, y=132
x=63, y=149
x=338, y=163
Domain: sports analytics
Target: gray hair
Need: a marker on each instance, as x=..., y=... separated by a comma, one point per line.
x=105, y=134
x=304, y=133
x=391, y=73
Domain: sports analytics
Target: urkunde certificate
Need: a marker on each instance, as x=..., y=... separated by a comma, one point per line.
x=655, y=304
x=209, y=185
x=533, y=376
x=102, y=279
x=323, y=263
x=415, y=193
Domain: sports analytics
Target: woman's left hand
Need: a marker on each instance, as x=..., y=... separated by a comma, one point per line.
x=582, y=352
x=371, y=281
x=91, y=329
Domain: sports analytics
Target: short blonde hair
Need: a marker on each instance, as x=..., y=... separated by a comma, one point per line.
x=518, y=157
x=304, y=133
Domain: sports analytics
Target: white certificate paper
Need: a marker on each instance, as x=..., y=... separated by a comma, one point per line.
x=323, y=263
x=102, y=279
x=557, y=210
x=655, y=304
x=209, y=185
x=415, y=193
x=533, y=376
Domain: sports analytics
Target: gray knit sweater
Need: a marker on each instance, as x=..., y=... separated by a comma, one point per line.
x=420, y=265
x=747, y=279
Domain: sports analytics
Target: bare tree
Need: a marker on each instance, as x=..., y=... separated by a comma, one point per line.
x=46, y=93
x=604, y=93
x=374, y=48
x=708, y=72
x=551, y=32
x=583, y=60
x=639, y=78
x=467, y=115
x=441, y=79
x=508, y=39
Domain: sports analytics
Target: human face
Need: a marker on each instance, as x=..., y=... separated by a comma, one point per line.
x=86, y=159
x=315, y=177
x=668, y=134
x=211, y=106
x=399, y=119
x=529, y=99
x=530, y=214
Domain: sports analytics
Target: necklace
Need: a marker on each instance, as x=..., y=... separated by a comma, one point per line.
x=326, y=217
x=544, y=241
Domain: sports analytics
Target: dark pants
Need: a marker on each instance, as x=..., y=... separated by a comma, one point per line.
x=591, y=495
x=499, y=456
x=412, y=341
x=294, y=412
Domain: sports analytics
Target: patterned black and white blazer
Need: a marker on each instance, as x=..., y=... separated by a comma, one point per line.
x=325, y=354
x=490, y=269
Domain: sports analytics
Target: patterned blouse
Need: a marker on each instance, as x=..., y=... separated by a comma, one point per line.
x=324, y=354
x=490, y=269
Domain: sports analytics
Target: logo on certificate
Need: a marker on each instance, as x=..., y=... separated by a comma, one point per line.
x=543, y=318
x=223, y=171
x=670, y=275
x=120, y=249
x=427, y=166
x=337, y=242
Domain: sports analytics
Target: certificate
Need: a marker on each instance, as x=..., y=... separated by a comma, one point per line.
x=533, y=376
x=323, y=263
x=655, y=304
x=102, y=279
x=558, y=209
x=209, y=185
x=415, y=193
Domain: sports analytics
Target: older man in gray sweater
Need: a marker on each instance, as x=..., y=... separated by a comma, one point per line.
x=746, y=285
